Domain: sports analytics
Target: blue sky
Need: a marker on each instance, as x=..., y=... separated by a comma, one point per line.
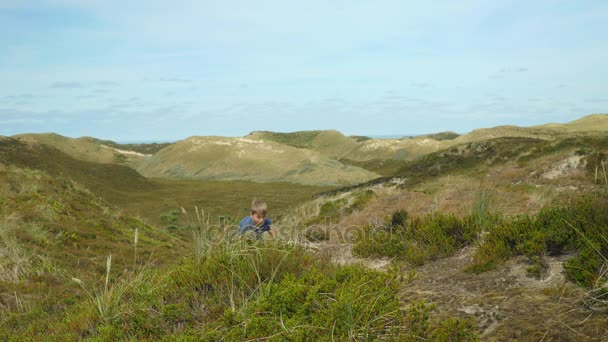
x=152, y=70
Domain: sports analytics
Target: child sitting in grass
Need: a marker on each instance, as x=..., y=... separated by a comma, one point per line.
x=257, y=222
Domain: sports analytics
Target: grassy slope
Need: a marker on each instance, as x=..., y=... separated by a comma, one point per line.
x=589, y=123
x=246, y=159
x=383, y=167
x=301, y=139
x=52, y=229
x=475, y=157
x=99, y=177
x=147, y=148
x=85, y=149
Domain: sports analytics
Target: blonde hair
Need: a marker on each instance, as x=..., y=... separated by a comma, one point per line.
x=259, y=207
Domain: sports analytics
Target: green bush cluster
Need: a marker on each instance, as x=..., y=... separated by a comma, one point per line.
x=417, y=239
x=170, y=217
x=246, y=291
x=580, y=228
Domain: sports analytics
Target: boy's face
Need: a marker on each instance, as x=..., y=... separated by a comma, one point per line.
x=258, y=218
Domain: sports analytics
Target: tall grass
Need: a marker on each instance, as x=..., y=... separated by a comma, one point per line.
x=605, y=174
x=109, y=298
x=596, y=298
x=17, y=262
x=484, y=202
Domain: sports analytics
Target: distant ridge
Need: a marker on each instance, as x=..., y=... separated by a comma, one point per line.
x=84, y=148
x=589, y=123
x=314, y=157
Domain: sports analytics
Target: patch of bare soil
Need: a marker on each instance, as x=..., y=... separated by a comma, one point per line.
x=505, y=303
x=342, y=254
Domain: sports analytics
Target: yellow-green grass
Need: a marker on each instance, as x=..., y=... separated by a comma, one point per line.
x=218, y=198
x=593, y=122
x=97, y=177
x=85, y=149
x=144, y=148
x=222, y=158
x=240, y=290
x=52, y=229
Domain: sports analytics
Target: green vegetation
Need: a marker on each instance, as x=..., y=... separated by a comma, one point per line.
x=471, y=157
x=85, y=149
x=584, y=145
x=301, y=139
x=73, y=266
x=239, y=290
x=441, y=136
x=417, y=239
x=52, y=229
x=475, y=158
x=359, y=138
x=579, y=227
x=593, y=122
x=100, y=178
x=219, y=198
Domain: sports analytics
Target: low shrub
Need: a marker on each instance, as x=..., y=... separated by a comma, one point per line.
x=417, y=239
x=580, y=228
x=249, y=290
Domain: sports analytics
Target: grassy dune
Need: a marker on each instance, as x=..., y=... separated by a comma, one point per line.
x=219, y=158
x=102, y=178
x=52, y=229
x=86, y=149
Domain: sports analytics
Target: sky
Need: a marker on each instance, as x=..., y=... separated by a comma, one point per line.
x=166, y=70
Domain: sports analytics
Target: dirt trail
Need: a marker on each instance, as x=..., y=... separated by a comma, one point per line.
x=506, y=304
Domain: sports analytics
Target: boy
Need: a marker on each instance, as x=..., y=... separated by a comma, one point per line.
x=257, y=221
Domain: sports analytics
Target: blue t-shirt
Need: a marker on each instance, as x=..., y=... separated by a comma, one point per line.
x=247, y=224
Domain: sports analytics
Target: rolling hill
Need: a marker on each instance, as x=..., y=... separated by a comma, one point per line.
x=321, y=157
x=589, y=123
x=248, y=159
x=102, y=178
x=85, y=148
x=335, y=145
